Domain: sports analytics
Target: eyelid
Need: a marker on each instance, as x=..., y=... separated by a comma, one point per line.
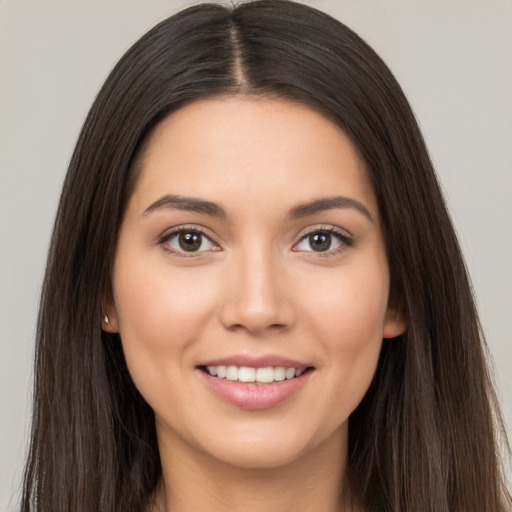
x=345, y=239
x=164, y=238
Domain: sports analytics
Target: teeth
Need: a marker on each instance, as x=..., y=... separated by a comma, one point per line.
x=264, y=375
x=279, y=373
x=232, y=373
x=246, y=374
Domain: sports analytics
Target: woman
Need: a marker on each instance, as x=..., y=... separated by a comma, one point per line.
x=206, y=343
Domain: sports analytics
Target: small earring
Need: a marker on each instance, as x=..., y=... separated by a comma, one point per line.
x=106, y=320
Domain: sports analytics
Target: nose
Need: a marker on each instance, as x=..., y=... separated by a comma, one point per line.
x=255, y=296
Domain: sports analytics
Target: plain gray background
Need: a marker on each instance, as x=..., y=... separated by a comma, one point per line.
x=452, y=57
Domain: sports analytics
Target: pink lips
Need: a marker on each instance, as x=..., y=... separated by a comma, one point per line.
x=252, y=395
x=256, y=362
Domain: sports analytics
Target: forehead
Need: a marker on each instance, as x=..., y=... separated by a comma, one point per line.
x=226, y=148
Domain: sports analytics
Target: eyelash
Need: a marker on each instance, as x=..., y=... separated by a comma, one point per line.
x=345, y=241
x=163, y=241
x=343, y=238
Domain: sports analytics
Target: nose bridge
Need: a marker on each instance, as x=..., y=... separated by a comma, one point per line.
x=255, y=297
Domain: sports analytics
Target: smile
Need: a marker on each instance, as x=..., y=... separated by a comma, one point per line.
x=263, y=375
x=255, y=384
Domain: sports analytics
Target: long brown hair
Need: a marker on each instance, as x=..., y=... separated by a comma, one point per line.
x=425, y=437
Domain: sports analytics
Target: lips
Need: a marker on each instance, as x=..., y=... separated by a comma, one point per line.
x=255, y=383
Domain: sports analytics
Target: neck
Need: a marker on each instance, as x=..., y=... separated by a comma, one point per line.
x=193, y=480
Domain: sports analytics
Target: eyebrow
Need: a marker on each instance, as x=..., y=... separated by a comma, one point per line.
x=202, y=206
x=190, y=204
x=328, y=203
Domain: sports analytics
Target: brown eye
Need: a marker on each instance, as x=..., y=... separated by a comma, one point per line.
x=320, y=242
x=190, y=242
x=187, y=241
x=323, y=240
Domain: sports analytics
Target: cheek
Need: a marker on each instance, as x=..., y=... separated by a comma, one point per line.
x=152, y=297
x=351, y=309
x=159, y=312
x=348, y=319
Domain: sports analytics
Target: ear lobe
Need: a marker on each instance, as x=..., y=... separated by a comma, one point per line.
x=109, y=316
x=108, y=325
x=394, y=323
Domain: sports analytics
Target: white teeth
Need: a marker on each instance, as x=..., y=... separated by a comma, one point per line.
x=263, y=375
x=246, y=374
x=279, y=373
x=232, y=373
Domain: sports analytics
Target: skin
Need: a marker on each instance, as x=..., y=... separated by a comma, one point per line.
x=258, y=288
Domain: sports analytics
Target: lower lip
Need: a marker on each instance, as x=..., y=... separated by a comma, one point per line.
x=252, y=395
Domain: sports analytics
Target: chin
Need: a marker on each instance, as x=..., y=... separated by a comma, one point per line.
x=257, y=457
x=272, y=448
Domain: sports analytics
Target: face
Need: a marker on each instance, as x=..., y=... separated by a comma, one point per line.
x=250, y=284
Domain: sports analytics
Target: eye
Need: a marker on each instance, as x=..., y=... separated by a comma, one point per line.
x=322, y=240
x=187, y=241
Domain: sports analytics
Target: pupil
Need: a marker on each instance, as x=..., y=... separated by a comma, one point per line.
x=320, y=241
x=190, y=241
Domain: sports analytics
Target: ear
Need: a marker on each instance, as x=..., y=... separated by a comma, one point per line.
x=109, y=321
x=395, y=323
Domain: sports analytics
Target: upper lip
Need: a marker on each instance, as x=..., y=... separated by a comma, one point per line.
x=249, y=361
